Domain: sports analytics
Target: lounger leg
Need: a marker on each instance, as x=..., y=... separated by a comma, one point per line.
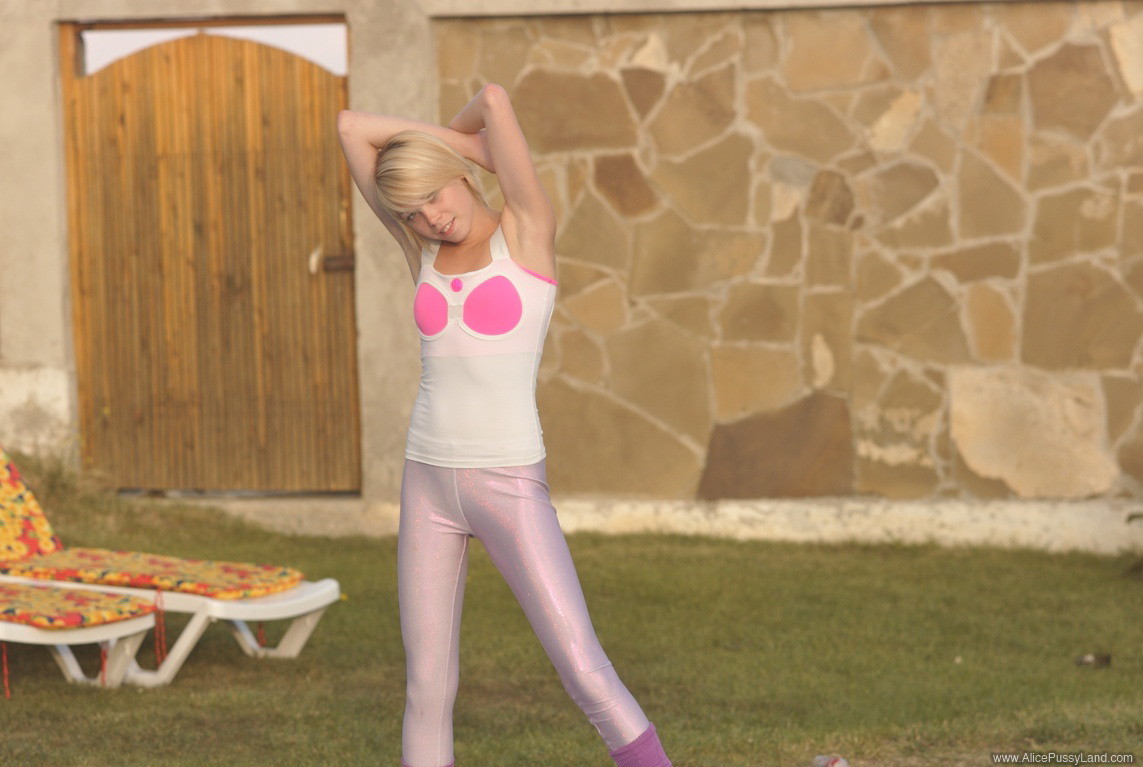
x=176, y=656
x=291, y=643
x=120, y=657
x=65, y=659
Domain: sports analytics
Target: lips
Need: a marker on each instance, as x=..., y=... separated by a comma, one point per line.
x=447, y=230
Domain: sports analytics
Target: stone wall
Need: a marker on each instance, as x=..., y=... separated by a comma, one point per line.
x=892, y=251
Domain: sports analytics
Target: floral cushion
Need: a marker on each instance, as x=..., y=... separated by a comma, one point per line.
x=24, y=530
x=47, y=607
x=30, y=549
x=219, y=580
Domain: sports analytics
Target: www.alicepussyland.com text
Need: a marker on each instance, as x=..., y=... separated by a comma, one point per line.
x=1062, y=757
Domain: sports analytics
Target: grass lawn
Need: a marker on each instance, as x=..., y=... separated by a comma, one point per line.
x=743, y=654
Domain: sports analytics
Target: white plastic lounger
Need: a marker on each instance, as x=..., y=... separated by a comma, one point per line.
x=207, y=590
x=305, y=603
x=60, y=618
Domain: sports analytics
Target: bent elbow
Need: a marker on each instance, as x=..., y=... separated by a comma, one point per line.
x=344, y=122
x=495, y=97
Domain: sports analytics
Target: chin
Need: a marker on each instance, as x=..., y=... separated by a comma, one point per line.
x=457, y=234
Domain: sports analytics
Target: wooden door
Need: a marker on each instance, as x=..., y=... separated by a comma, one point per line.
x=211, y=268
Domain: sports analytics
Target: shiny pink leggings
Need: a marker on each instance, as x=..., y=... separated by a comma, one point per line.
x=510, y=511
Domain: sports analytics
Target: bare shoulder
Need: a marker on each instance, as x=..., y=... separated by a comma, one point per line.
x=531, y=247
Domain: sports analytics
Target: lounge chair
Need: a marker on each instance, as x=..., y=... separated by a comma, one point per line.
x=208, y=591
x=61, y=617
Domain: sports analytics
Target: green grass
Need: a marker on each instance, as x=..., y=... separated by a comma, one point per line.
x=743, y=654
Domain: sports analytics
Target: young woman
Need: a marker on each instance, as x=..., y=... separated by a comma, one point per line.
x=485, y=288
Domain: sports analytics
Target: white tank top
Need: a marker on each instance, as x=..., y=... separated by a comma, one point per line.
x=482, y=335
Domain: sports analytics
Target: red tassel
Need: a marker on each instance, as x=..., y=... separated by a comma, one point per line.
x=102, y=664
x=7, y=690
x=160, y=629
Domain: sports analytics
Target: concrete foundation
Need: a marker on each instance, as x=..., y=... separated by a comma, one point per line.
x=1097, y=527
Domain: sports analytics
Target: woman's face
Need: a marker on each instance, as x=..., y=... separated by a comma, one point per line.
x=446, y=215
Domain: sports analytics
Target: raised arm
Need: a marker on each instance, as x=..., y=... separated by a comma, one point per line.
x=526, y=203
x=362, y=134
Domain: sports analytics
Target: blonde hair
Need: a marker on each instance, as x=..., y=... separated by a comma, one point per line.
x=411, y=168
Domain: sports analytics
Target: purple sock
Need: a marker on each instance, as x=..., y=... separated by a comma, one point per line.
x=406, y=764
x=644, y=751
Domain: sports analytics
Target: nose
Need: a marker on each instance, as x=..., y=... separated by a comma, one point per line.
x=432, y=214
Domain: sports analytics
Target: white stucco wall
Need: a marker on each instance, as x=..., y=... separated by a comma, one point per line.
x=35, y=409
x=36, y=399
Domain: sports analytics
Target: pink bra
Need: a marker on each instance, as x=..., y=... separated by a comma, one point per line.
x=490, y=310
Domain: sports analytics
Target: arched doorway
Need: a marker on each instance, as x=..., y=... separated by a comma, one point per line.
x=211, y=267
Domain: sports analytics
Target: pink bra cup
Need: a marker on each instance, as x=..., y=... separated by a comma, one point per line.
x=493, y=308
